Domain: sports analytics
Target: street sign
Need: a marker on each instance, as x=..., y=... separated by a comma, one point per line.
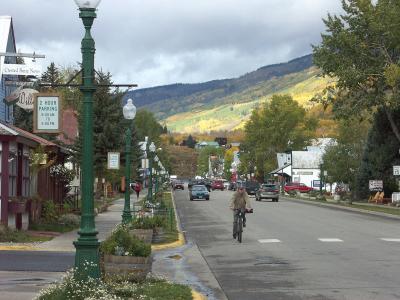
x=113, y=160
x=317, y=183
x=376, y=185
x=396, y=170
x=47, y=113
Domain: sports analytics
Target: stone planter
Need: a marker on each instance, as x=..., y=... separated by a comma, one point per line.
x=145, y=235
x=131, y=268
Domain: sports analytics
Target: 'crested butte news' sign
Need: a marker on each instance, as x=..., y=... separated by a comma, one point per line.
x=46, y=113
x=14, y=69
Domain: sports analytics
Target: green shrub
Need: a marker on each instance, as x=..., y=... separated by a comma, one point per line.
x=69, y=220
x=49, y=212
x=149, y=222
x=122, y=240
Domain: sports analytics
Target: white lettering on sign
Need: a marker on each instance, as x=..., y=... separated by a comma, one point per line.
x=13, y=69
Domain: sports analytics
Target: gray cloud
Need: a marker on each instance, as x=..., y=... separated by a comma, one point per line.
x=155, y=42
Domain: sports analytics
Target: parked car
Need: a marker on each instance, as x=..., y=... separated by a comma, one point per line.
x=179, y=185
x=268, y=191
x=297, y=187
x=226, y=184
x=251, y=187
x=217, y=185
x=193, y=182
x=199, y=192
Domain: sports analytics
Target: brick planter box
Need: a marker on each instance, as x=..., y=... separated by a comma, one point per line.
x=131, y=268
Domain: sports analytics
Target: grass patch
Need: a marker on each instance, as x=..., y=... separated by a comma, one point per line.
x=383, y=209
x=154, y=289
x=52, y=227
x=14, y=236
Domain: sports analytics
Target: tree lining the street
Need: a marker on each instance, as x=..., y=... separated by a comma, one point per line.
x=361, y=49
x=281, y=124
x=342, y=160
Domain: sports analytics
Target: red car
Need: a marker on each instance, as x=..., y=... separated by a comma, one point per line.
x=297, y=186
x=217, y=185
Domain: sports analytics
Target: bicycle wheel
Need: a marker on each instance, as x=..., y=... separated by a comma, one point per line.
x=240, y=229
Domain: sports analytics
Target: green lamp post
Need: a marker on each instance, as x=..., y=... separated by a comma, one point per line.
x=156, y=159
x=129, y=112
x=87, y=246
x=152, y=149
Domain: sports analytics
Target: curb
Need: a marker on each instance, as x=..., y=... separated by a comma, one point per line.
x=181, y=237
x=197, y=296
x=339, y=207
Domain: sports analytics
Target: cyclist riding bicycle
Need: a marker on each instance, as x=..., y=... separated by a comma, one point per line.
x=240, y=201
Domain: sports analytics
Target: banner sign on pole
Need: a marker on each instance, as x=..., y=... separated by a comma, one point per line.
x=47, y=113
x=113, y=160
x=376, y=185
x=14, y=69
x=396, y=170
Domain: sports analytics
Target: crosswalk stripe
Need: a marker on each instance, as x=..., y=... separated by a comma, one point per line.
x=330, y=240
x=390, y=239
x=264, y=241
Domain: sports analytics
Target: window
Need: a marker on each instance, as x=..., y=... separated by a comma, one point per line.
x=12, y=181
x=25, y=177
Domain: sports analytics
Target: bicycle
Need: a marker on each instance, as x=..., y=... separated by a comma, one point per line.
x=239, y=222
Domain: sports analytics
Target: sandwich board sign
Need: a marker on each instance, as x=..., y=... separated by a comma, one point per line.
x=376, y=185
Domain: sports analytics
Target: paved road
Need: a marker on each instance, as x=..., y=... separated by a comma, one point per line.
x=295, y=251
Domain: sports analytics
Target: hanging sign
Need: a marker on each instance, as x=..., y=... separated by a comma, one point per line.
x=113, y=160
x=47, y=113
x=25, y=98
x=14, y=69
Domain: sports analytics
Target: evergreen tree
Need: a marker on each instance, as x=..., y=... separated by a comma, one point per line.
x=190, y=142
x=380, y=155
x=107, y=126
x=52, y=75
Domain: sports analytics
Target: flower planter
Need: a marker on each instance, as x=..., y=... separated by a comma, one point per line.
x=145, y=235
x=132, y=268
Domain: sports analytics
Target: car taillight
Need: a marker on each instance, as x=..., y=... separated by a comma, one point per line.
x=276, y=191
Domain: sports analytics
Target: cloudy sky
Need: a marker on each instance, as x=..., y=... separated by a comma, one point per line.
x=157, y=42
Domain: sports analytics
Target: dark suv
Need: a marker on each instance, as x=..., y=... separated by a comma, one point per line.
x=251, y=187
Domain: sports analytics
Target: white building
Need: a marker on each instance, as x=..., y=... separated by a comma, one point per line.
x=303, y=166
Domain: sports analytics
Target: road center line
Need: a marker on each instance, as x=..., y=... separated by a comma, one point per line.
x=390, y=239
x=330, y=240
x=264, y=241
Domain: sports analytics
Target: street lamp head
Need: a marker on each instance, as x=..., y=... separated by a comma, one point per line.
x=87, y=3
x=129, y=110
x=152, y=147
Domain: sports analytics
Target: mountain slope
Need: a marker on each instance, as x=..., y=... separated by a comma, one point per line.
x=226, y=104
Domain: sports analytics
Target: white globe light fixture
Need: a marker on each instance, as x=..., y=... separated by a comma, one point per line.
x=152, y=147
x=87, y=3
x=129, y=110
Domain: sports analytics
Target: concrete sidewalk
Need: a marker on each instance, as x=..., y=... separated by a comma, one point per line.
x=105, y=223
